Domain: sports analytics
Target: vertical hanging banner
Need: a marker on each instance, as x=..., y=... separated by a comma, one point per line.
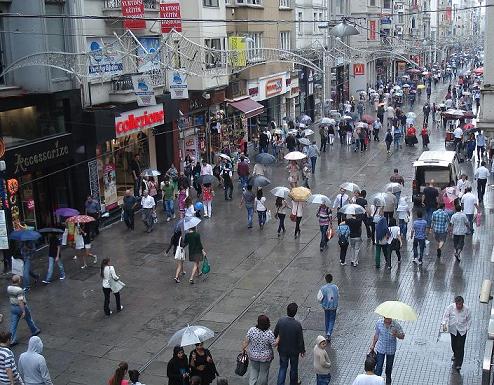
x=178, y=85
x=170, y=11
x=372, y=29
x=133, y=9
x=144, y=90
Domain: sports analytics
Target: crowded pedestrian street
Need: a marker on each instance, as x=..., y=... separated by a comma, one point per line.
x=255, y=272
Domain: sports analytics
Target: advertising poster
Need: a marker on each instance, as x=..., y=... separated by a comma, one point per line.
x=4, y=240
x=178, y=85
x=144, y=90
x=101, y=62
x=170, y=12
x=110, y=183
x=237, y=44
x=148, y=59
x=133, y=10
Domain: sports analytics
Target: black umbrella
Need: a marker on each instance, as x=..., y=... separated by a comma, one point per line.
x=259, y=181
x=206, y=179
x=48, y=230
x=265, y=159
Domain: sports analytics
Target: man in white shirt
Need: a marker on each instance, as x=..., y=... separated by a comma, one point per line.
x=457, y=321
x=340, y=201
x=368, y=378
x=206, y=168
x=481, y=175
x=469, y=203
x=148, y=210
x=462, y=184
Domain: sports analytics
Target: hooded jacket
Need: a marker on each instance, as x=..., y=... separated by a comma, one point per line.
x=32, y=365
x=321, y=358
x=177, y=367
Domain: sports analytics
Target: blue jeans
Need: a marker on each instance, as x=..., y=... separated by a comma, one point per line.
x=357, y=144
x=15, y=316
x=51, y=264
x=324, y=236
x=470, y=220
x=323, y=379
x=403, y=228
x=380, y=363
x=262, y=217
x=169, y=207
x=397, y=196
x=396, y=141
x=330, y=318
x=421, y=244
x=26, y=278
x=428, y=215
x=293, y=358
x=250, y=214
x=313, y=163
x=243, y=181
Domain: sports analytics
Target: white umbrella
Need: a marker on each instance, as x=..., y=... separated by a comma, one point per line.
x=347, y=117
x=406, y=85
x=278, y=131
x=349, y=186
x=150, y=172
x=281, y=192
x=292, y=132
x=188, y=223
x=295, y=155
x=308, y=132
x=383, y=199
x=301, y=125
x=362, y=125
x=393, y=187
x=224, y=156
x=304, y=141
x=191, y=335
x=411, y=115
x=326, y=121
x=352, y=209
x=319, y=199
x=396, y=88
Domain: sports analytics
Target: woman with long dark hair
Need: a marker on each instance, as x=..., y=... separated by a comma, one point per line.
x=281, y=207
x=260, y=206
x=177, y=370
x=108, y=273
x=202, y=364
x=120, y=372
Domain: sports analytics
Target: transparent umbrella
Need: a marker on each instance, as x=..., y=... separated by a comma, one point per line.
x=304, y=141
x=349, y=186
x=393, y=187
x=352, y=209
x=383, y=199
x=319, y=199
x=191, y=335
x=280, y=192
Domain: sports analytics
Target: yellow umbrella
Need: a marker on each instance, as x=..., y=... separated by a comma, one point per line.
x=396, y=310
x=300, y=194
x=420, y=87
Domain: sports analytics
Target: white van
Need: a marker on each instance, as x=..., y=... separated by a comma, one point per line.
x=440, y=166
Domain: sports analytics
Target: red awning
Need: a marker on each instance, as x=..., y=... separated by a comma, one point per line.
x=248, y=107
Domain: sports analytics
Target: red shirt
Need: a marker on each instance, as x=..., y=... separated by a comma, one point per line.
x=243, y=168
x=411, y=131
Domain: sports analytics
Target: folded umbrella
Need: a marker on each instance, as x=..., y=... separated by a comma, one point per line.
x=396, y=310
x=258, y=181
x=66, y=212
x=50, y=230
x=304, y=141
x=150, y=172
x=280, y=192
x=24, y=235
x=393, y=187
x=295, y=155
x=206, y=179
x=349, y=186
x=319, y=199
x=191, y=335
x=265, y=159
x=300, y=194
x=352, y=209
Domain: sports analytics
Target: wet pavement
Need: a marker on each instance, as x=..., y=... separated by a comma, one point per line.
x=256, y=272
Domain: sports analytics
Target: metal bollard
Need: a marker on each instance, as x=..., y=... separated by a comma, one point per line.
x=485, y=291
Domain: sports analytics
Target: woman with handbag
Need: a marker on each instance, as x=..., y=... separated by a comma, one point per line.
x=196, y=252
x=395, y=242
x=202, y=364
x=111, y=283
x=259, y=343
x=324, y=215
x=281, y=209
x=179, y=254
x=177, y=370
x=296, y=216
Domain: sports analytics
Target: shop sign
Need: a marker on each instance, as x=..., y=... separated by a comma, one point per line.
x=237, y=46
x=398, y=7
x=133, y=12
x=273, y=86
x=148, y=54
x=372, y=29
x=110, y=185
x=4, y=240
x=358, y=69
x=386, y=23
x=144, y=90
x=178, y=85
x=136, y=120
x=38, y=155
x=103, y=62
x=295, y=89
x=170, y=15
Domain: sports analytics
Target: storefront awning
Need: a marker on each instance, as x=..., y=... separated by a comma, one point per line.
x=248, y=107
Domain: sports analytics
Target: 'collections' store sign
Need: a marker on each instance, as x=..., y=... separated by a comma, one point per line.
x=136, y=120
x=38, y=155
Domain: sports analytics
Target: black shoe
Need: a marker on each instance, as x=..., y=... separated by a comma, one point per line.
x=439, y=253
x=37, y=332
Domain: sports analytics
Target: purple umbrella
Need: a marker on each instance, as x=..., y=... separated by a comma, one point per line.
x=66, y=212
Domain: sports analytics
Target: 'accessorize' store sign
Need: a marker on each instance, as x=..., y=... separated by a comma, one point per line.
x=136, y=120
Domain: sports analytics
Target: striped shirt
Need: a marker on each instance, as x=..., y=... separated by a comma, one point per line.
x=7, y=361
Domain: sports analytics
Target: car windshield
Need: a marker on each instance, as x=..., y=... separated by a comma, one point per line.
x=440, y=175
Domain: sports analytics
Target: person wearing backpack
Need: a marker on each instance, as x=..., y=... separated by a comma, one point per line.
x=343, y=232
x=388, y=139
x=328, y=296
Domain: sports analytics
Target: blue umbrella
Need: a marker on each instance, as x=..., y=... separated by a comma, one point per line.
x=24, y=235
x=265, y=159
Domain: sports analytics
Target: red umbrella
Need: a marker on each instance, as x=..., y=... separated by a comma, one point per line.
x=368, y=119
x=479, y=71
x=469, y=115
x=80, y=219
x=468, y=126
x=414, y=71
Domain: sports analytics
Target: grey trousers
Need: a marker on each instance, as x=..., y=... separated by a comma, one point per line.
x=259, y=372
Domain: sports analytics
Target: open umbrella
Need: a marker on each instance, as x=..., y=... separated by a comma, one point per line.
x=393, y=187
x=349, y=186
x=468, y=115
x=301, y=125
x=347, y=117
x=304, y=141
x=66, y=212
x=280, y=192
x=383, y=199
x=265, y=159
x=278, y=131
x=451, y=192
x=396, y=88
x=411, y=115
x=224, y=156
x=406, y=85
x=191, y=335
x=299, y=194
x=188, y=223
x=352, y=209
x=396, y=310
x=24, y=235
x=368, y=119
x=420, y=87
x=258, y=181
x=295, y=155
x=319, y=199
x=50, y=230
x=292, y=132
x=80, y=219
x=413, y=71
x=468, y=126
x=453, y=114
x=326, y=121
x=479, y=71
x=206, y=179
x=150, y=172
x=362, y=125
x=308, y=132
x=305, y=119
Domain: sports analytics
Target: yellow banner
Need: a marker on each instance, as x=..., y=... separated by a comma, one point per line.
x=238, y=57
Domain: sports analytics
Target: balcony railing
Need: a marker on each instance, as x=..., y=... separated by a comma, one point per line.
x=124, y=82
x=148, y=4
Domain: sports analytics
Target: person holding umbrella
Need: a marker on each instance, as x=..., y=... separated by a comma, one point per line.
x=299, y=196
x=54, y=256
x=340, y=200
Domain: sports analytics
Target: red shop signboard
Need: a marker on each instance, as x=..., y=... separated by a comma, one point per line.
x=133, y=11
x=170, y=11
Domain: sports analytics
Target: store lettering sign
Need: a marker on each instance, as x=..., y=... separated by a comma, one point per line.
x=170, y=16
x=274, y=87
x=133, y=11
x=358, y=69
x=136, y=120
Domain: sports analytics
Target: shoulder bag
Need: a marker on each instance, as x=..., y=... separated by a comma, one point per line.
x=206, y=267
x=242, y=364
x=180, y=252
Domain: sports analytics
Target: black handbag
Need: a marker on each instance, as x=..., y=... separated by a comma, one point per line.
x=242, y=364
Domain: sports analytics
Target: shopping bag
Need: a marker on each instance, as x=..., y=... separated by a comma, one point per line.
x=293, y=217
x=116, y=285
x=330, y=233
x=268, y=216
x=180, y=252
x=242, y=364
x=65, y=237
x=206, y=267
x=17, y=266
x=79, y=241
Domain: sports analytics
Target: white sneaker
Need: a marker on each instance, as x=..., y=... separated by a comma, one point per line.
x=83, y=267
x=343, y=263
x=419, y=262
x=95, y=260
x=75, y=257
x=174, y=216
x=168, y=219
x=414, y=260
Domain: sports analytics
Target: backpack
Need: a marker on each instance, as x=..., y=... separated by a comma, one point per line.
x=342, y=238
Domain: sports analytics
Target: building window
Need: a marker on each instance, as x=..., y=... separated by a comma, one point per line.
x=341, y=5
x=255, y=46
x=249, y=2
x=210, y=3
x=400, y=18
x=213, y=56
x=387, y=4
x=284, y=3
x=299, y=24
x=372, y=3
x=285, y=41
x=314, y=24
x=55, y=29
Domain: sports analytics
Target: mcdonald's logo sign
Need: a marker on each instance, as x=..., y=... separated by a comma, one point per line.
x=359, y=69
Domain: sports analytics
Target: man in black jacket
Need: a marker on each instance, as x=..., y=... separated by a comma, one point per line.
x=291, y=344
